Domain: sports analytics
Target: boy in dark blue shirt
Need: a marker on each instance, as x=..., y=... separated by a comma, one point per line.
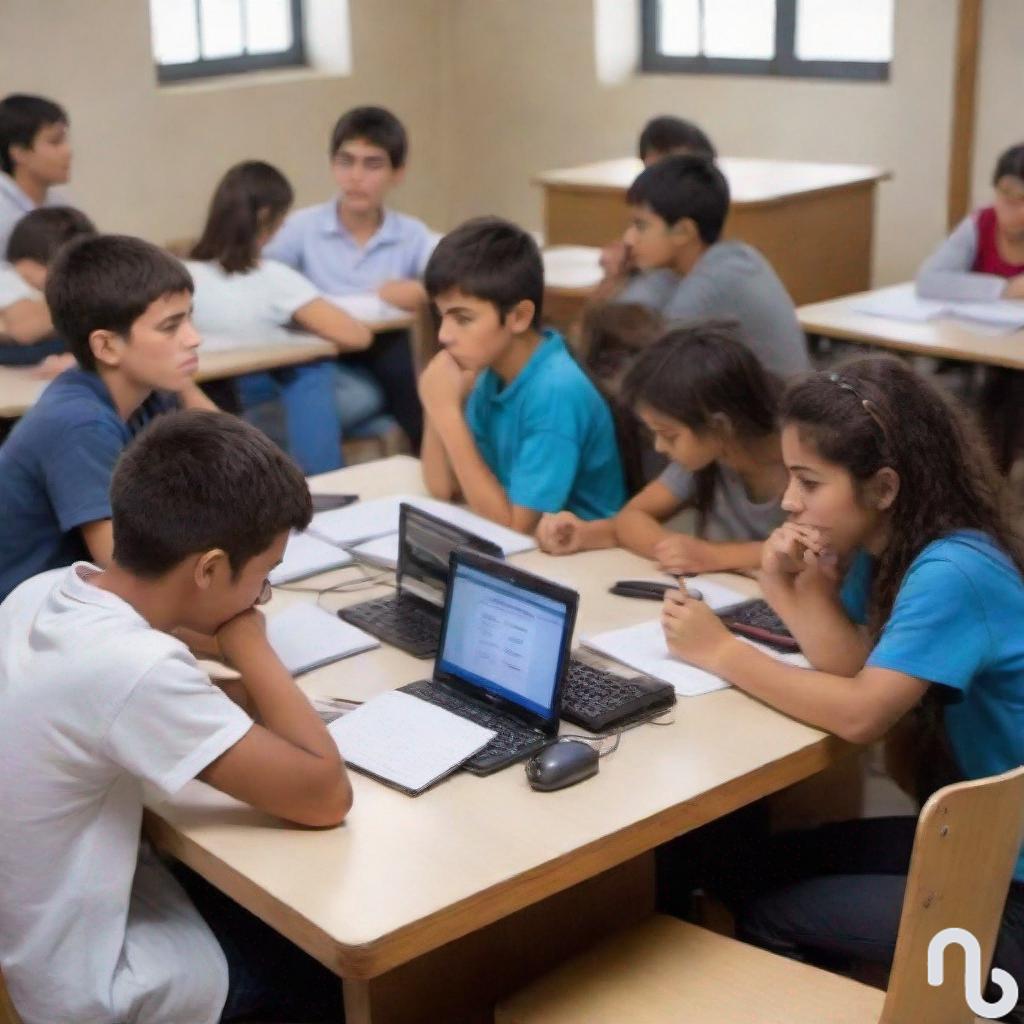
x=124, y=307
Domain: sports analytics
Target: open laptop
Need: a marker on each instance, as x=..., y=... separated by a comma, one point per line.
x=502, y=657
x=411, y=618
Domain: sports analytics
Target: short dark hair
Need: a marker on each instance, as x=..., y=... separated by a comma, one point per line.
x=21, y=118
x=1010, y=164
x=40, y=234
x=106, y=282
x=684, y=186
x=377, y=126
x=249, y=197
x=667, y=134
x=491, y=259
x=194, y=481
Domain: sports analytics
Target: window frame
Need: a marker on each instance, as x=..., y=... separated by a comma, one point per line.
x=294, y=56
x=785, y=63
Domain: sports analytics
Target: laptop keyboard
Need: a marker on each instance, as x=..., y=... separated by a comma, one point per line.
x=398, y=620
x=596, y=699
x=512, y=743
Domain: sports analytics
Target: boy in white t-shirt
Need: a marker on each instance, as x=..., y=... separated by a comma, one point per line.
x=98, y=700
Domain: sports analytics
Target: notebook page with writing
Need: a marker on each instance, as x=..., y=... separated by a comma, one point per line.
x=406, y=742
x=306, y=636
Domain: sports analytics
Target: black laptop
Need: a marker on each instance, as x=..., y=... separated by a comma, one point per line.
x=411, y=618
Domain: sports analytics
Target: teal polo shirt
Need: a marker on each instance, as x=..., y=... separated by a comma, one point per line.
x=548, y=435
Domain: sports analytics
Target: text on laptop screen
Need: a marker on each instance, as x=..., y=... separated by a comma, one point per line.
x=503, y=638
x=426, y=549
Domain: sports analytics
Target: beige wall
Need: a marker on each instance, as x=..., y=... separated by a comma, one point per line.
x=147, y=157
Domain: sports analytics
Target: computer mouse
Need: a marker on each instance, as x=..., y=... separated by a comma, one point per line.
x=561, y=764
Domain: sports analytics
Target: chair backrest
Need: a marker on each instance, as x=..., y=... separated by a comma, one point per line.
x=965, y=849
x=8, y=1015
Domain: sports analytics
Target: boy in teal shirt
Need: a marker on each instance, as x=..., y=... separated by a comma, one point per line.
x=513, y=424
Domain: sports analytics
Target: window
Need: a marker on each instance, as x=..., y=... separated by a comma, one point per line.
x=799, y=38
x=199, y=38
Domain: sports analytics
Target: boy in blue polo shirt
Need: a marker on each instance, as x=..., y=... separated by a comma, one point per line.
x=125, y=309
x=535, y=435
x=353, y=243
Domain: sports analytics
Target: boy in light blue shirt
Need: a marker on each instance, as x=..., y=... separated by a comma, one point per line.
x=513, y=424
x=352, y=243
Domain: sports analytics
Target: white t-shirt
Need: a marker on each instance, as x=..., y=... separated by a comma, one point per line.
x=13, y=287
x=246, y=309
x=94, y=703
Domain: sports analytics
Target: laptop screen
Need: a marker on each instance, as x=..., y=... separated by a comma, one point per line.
x=426, y=545
x=504, y=638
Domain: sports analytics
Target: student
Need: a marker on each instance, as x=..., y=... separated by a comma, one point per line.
x=24, y=315
x=97, y=699
x=35, y=155
x=900, y=573
x=983, y=259
x=713, y=411
x=661, y=137
x=123, y=306
x=531, y=434
x=353, y=243
x=246, y=300
x=678, y=207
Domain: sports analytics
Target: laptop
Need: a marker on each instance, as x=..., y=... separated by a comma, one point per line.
x=411, y=618
x=502, y=656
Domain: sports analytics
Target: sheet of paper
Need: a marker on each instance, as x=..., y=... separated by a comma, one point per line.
x=306, y=636
x=643, y=647
x=406, y=741
x=306, y=555
x=713, y=594
x=368, y=307
x=383, y=551
x=572, y=266
x=899, y=302
x=510, y=542
x=1005, y=313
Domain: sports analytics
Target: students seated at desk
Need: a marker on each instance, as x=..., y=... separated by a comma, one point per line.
x=353, y=243
x=35, y=155
x=97, y=698
x=900, y=574
x=713, y=411
x=661, y=137
x=123, y=306
x=26, y=330
x=678, y=207
x=513, y=424
x=983, y=259
x=241, y=297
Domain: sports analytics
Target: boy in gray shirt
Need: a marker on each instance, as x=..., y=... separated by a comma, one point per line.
x=678, y=207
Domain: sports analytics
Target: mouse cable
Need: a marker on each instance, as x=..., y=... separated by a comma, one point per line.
x=615, y=734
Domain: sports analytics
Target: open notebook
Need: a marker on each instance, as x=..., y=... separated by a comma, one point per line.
x=405, y=742
x=901, y=302
x=305, y=636
x=307, y=555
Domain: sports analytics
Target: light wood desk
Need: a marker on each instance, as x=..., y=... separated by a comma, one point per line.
x=814, y=222
x=481, y=882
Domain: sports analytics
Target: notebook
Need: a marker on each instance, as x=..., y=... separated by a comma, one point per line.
x=405, y=742
x=902, y=303
x=306, y=555
x=643, y=647
x=305, y=636
x=369, y=307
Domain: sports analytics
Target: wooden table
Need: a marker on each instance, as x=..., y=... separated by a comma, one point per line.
x=431, y=908
x=814, y=222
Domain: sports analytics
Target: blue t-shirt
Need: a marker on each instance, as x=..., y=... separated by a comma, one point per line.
x=55, y=470
x=548, y=435
x=957, y=622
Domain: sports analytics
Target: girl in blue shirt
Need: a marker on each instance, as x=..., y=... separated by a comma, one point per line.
x=899, y=571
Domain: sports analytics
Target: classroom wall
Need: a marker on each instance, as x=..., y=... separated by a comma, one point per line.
x=147, y=157
x=525, y=82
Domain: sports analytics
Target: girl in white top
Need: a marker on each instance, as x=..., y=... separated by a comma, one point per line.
x=242, y=300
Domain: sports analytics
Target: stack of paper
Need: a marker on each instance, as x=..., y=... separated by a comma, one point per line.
x=368, y=307
x=406, y=742
x=305, y=636
x=902, y=303
x=306, y=555
x=643, y=647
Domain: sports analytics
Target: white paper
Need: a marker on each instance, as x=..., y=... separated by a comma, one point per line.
x=714, y=595
x=407, y=741
x=368, y=307
x=383, y=551
x=643, y=647
x=510, y=542
x=572, y=266
x=306, y=636
x=306, y=555
x=902, y=303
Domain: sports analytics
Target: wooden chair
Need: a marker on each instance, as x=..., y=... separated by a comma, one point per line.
x=667, y=972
